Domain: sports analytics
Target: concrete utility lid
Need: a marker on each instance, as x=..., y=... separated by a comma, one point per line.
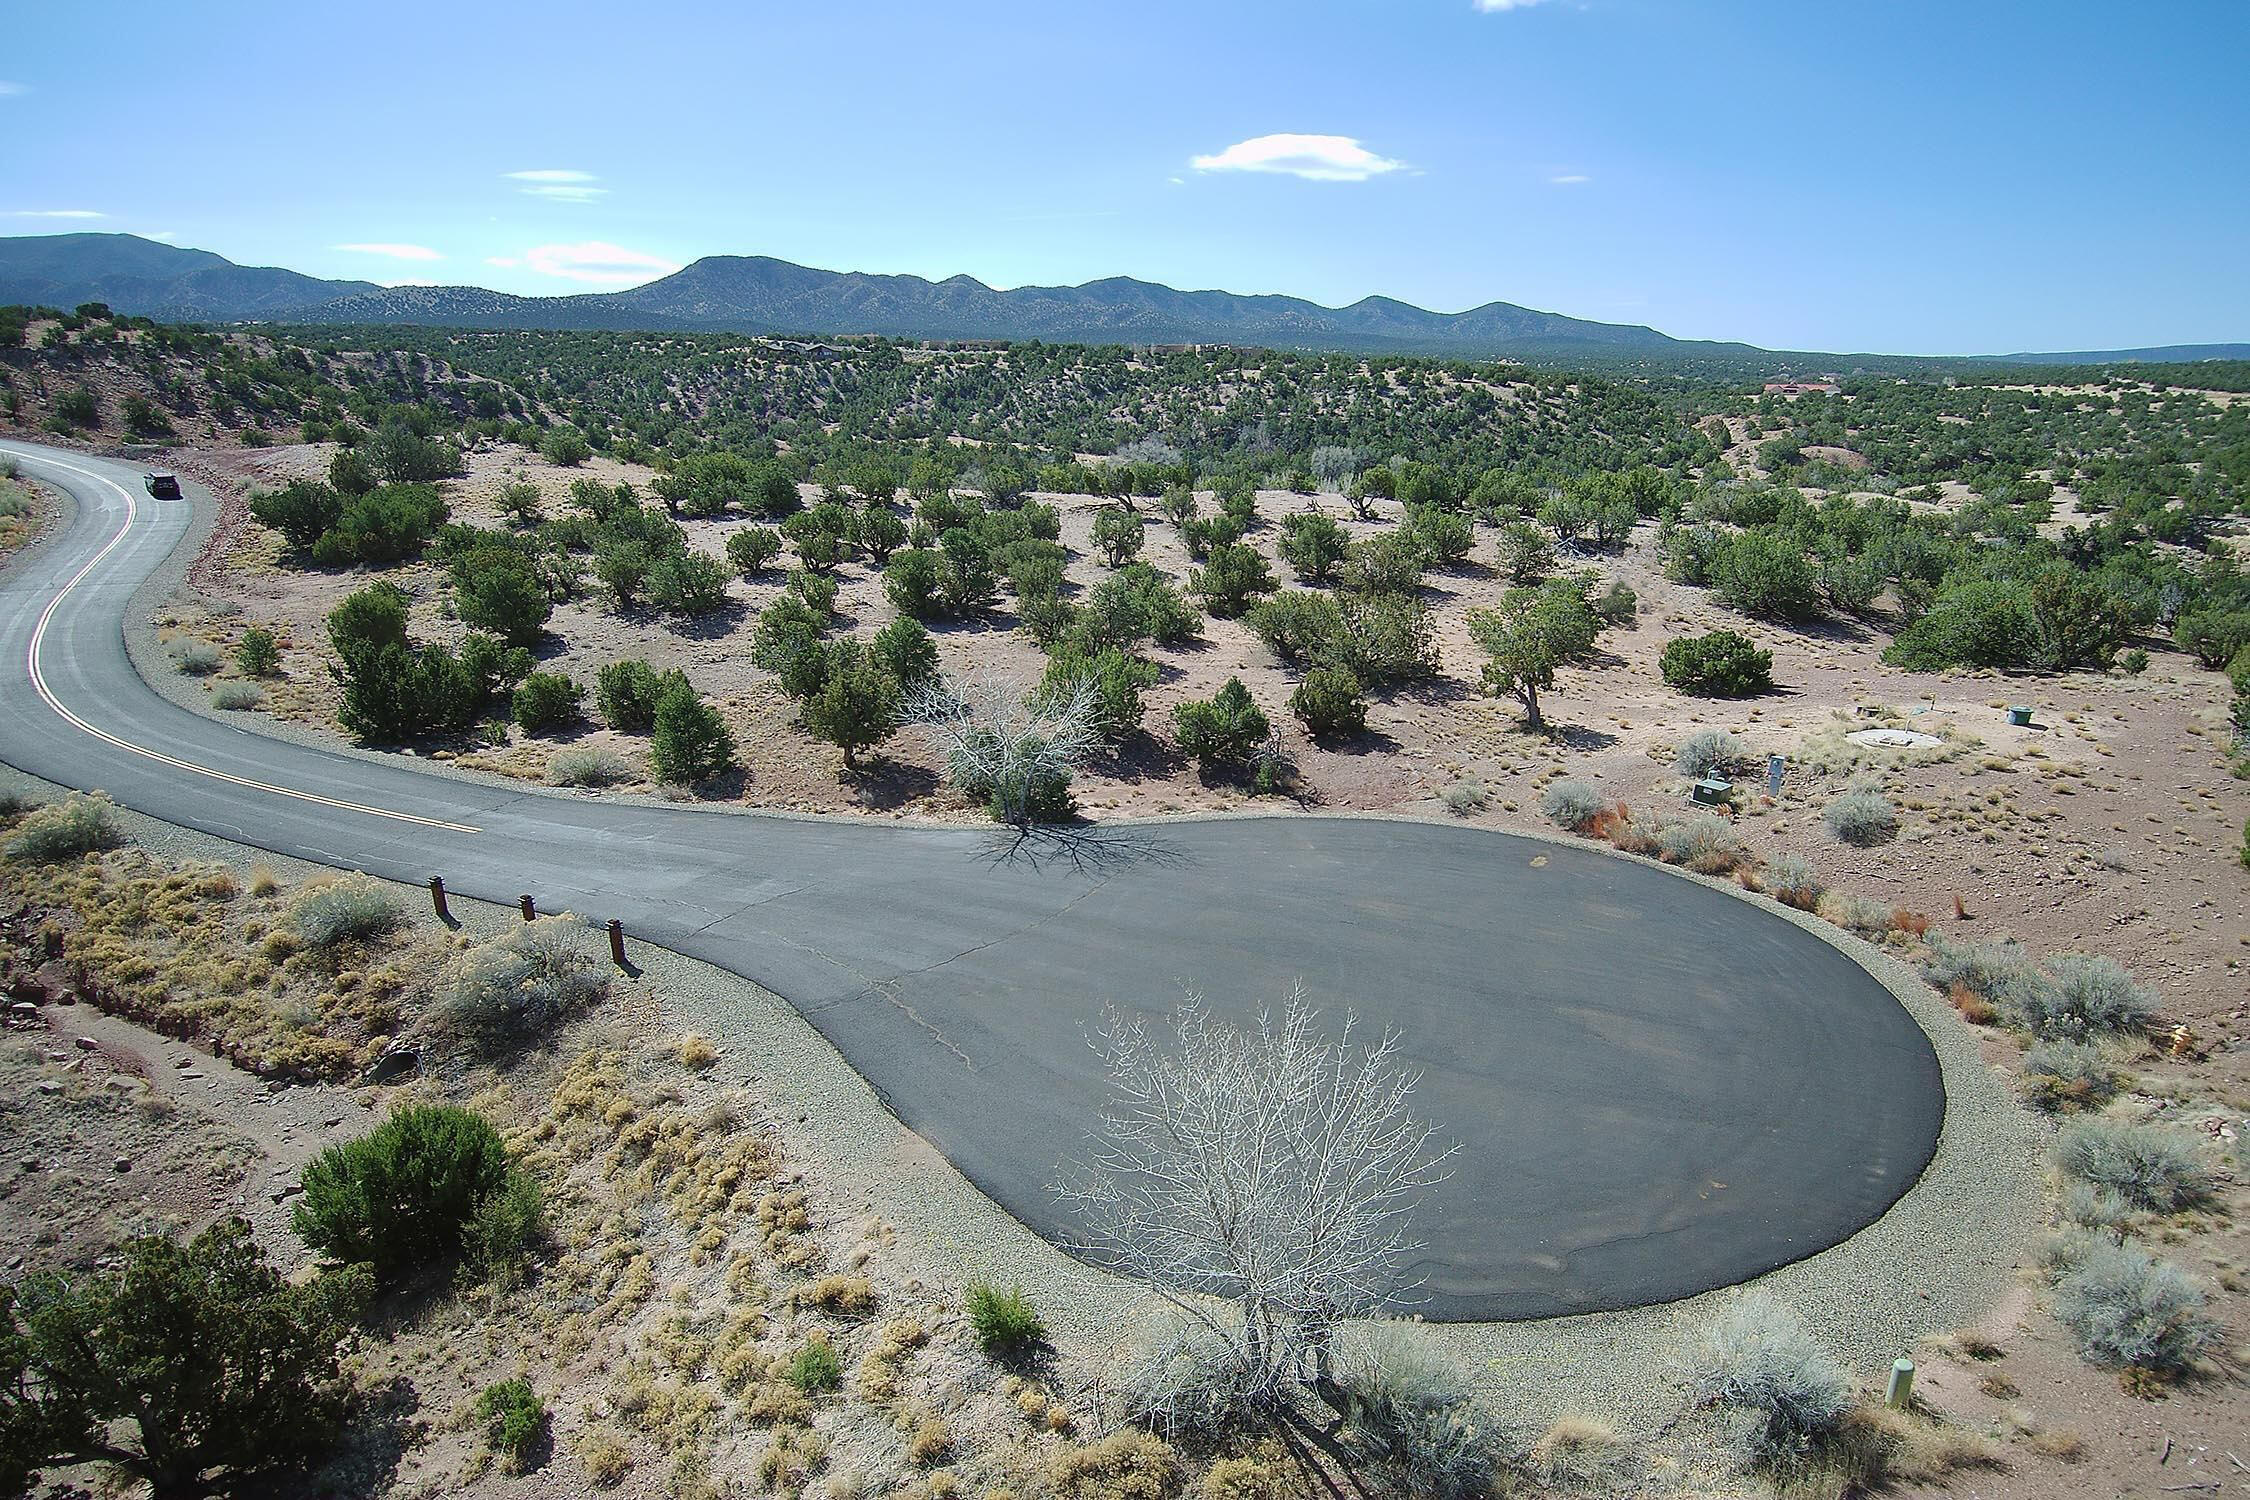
x=1894, y=739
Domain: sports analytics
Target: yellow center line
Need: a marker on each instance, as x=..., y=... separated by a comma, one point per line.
x=39, y=682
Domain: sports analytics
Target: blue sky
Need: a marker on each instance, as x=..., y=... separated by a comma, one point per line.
x=1968, y=176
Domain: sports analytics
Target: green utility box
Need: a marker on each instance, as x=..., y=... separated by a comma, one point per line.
x=1712, y=792
x=2019, y=714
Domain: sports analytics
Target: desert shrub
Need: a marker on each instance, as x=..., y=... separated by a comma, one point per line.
x=1006, y=1324
x=2085, y=995
x=1465, y=797
x=1329, y=704
x=515, y=1419
x=508, y=1228
x=2151, y=1168
x=1188, y=1383
x=905, y=650
x=1999, y=973
x=497, y=587
x=814, y=1368
x=401, y=1198
x=1570, y=802
x=258, y=653
x=1863, y=817
x=753, y=549
x=1411, y=1409
x=349, y=908
x=628, y=691
x=2213, y=637
x=237, y=695
x=687, y=583
x=690, y=742
x=1235, y=573
x=1266, y=1472
x=505, y=993
x=1119, y=679
x=1707, y=752
x=545, y=700
x=1703, y=843
x=1765, y=574
x=2125, y=1308
x=196, y=658
x=1222, y=730
x=605, y=1456
x=1129, y=1464
x=2090, y=1207
x=1721, y=664
x=1757, y=1357
x=1792, y=880
x=588, y=765
x=79, y=824
x=190, y=1365
x=1868, y=918
x=1297, y=625
x=2064, y=1077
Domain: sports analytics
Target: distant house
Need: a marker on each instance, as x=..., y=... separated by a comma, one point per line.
x=1802, y=388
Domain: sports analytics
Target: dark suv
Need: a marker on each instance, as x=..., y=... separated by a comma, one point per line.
x=162, y=486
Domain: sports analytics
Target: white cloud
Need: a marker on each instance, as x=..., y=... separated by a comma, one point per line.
x=392, y=251
x=56, y=213
x=1492, y=7
x=162, y=234
x=599, y=262
x=1570, y=179
x=7, y=88
x=1317, y=158
x=562, y=184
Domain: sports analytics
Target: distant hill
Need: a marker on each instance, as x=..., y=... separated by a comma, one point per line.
x=759, y=295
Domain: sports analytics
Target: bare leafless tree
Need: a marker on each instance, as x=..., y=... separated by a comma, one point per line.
x=1264, y=1165
x=1002, y=743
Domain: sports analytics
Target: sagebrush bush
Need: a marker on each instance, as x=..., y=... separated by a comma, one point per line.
x=2126, y=1308
x=1792, y=880
x=2000, y=973
x=1757, y=1357
x=2064, y=1077
x=2090, y=1207
x=401, y=1198
x=1571, y=802
x=1410, y=1408
x=350, y=907
x=1129, y=1464
x=2149, y=1167
x=1188, y=1383
x=79, y=824
x=1707, y=752
x=1006, y=1324
x=1465, y=797
x=236, y=696
x=2084, y=995
x=588, y=765
x=1868, y=918
x=506, y=993
x=1701, y=842
x=197, y=658
x=1863, y=817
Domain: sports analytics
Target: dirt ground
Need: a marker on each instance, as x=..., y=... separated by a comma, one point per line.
x=2108, y=825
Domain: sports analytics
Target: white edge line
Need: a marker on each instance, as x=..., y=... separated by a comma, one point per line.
x=39, y=682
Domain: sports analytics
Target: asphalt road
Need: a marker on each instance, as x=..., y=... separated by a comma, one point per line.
x=1657, y=1089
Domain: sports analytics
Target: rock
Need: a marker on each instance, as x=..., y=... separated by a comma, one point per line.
x=87, y=1044
x=285, y=1192
x=123, y=1164
x=49, y=1086
x=396, y=1061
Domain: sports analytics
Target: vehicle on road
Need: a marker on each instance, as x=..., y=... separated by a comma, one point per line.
x=162, y=486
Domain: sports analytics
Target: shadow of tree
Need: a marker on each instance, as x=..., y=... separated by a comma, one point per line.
x=1083, y=850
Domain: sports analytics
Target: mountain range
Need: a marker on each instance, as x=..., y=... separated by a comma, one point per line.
x=760, y=295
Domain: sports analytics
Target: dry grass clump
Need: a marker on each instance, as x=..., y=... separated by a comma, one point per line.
x=604, y=1456
x=1857, y=914
x=695, y=1050
x=589, y=765
x=791, y=1460
x=2067, y=1077
x=845, y=1295
x=1266, y=1472
x=1703, y=843
x=237, y=696
x=1129, y=1464
x=786, y=1220
x=882, y=1366
x=1465, y=797
x=930, y=1444
x=1575, y=1451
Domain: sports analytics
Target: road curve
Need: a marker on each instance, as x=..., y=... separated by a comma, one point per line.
x=1657, y=1089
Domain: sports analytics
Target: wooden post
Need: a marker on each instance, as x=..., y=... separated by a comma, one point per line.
x=437, y=898
x=529, y=911
x=1900, y=1391
x=617, y=942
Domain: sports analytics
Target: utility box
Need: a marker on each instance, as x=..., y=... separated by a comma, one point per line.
x=1711, y=791
x=2019, y=714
